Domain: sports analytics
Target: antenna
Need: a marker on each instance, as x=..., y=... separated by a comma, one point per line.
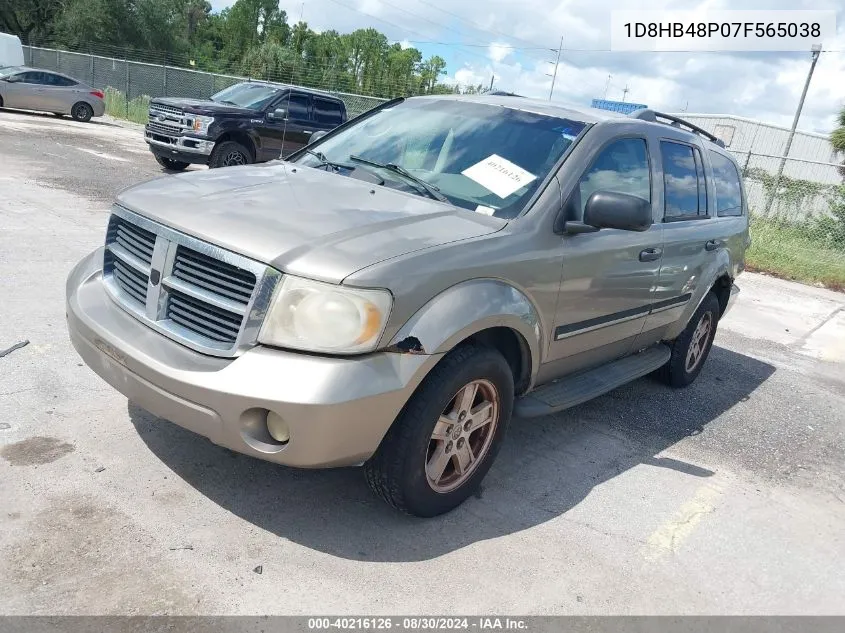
x=607, y=85
x=625, y=93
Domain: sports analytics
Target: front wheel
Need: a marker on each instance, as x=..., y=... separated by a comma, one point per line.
x=445, y=440
x=691, y=348
x=170, y=164
x=229, y=154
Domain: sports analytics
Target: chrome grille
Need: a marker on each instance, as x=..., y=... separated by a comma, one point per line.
x=160, y=128
x=207, y=298
x=212, y=274
x=130, y=280
x=160, y=107
x=203, y=318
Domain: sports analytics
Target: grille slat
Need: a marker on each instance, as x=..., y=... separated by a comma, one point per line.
x=130, y=281
x=161, y=128
x=215, y=324
x=205, y=301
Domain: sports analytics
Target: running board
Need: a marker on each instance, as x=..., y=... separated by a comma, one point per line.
x=572, y=390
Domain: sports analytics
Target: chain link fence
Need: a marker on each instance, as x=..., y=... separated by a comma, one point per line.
x=797, y=212
x=131, y=84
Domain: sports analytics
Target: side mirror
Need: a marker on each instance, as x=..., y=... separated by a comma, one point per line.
x=612, y=210
x=279, y=114
x=317, y=135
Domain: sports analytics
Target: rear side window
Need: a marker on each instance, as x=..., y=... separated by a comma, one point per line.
x=685, y=191
x=329, y=112
x=621, y=167
x=59, y=81
x=727, y=185
x=297, y=106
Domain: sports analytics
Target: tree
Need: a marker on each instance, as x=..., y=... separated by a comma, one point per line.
x=837, y=139
x=32, y=20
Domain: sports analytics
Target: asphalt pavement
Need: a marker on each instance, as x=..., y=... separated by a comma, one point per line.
x=724, y=498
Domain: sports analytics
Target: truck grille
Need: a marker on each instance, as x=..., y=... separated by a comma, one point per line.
x=156, y=108
x=206, y=298
x=161, y=128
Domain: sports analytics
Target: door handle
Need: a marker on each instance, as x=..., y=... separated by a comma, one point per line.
x=308, y=132
x=712, y=245
x=651, y=254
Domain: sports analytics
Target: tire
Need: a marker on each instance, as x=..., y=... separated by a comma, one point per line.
x=685, y=364
x=403, y=471
x=81, y=111
x=170, y=164
x=229, y=154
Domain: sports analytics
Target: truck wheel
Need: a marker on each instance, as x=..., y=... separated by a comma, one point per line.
x=170, y=164
x=229, y=154
x=81, y=112
x=691, y=348
x=447, y=436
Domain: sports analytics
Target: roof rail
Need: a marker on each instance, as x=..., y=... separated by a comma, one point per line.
x=647, y=114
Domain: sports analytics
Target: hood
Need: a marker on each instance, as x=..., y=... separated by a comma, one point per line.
x=202, y=106
x=302, y=220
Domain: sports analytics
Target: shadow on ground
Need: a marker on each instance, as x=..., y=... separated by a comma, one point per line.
x=63, y=117
x=547, y=466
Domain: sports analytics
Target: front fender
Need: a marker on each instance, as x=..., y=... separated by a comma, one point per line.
x=467, y=308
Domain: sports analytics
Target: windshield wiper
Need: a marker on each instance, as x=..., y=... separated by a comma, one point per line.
x=326, y=162
x=430, y=189
x=227, y=101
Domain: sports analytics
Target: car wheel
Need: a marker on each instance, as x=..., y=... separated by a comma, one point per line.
x=691, y=348
x=444, y=441
x=81, y=112
x=170, y=164
x=229, y=154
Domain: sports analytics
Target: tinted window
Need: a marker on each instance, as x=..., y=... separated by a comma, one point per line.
x=297, y=106
x=727, y=185
x=328, y=111
x=58, y=80
x=32, y=77
x=622, y=167
x=681, y=181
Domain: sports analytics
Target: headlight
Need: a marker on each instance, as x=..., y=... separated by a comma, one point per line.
x=320, y=317
x=202, y=123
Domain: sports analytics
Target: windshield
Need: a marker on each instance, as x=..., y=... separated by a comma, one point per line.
x=9, y=70
x=247, y=95
x=480, y=157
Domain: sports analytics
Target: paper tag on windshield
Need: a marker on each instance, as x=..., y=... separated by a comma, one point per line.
x=499, y=175
x=485, y=210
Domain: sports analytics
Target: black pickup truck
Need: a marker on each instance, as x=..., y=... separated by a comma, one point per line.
x=249, y=122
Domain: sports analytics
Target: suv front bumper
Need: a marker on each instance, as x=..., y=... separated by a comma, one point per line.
x=337, y=409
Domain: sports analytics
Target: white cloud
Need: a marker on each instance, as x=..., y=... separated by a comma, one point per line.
x=498, y=51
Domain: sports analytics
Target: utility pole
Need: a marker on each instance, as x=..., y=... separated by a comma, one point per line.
x=607, y=85
x=815, y=51
x=557, y=62
x=625, y=93
x=492, y=77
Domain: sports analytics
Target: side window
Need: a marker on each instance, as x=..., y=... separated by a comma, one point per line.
x=59, y=81
x=622, y=167
x=727, y=185
x=32, y=77
x=328, y=112
x=683, y=181
x=297, y=106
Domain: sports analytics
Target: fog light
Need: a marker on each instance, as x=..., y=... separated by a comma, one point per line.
x=277, y=427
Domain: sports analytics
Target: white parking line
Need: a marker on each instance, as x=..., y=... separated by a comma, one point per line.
x=101, y=154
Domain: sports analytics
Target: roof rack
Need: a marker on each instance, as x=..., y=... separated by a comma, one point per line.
x=647, y=114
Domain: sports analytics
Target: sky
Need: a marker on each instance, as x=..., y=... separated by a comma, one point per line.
x=512, y=41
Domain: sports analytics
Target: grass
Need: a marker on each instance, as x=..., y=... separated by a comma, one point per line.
x=789, y=253
x=135, y=110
